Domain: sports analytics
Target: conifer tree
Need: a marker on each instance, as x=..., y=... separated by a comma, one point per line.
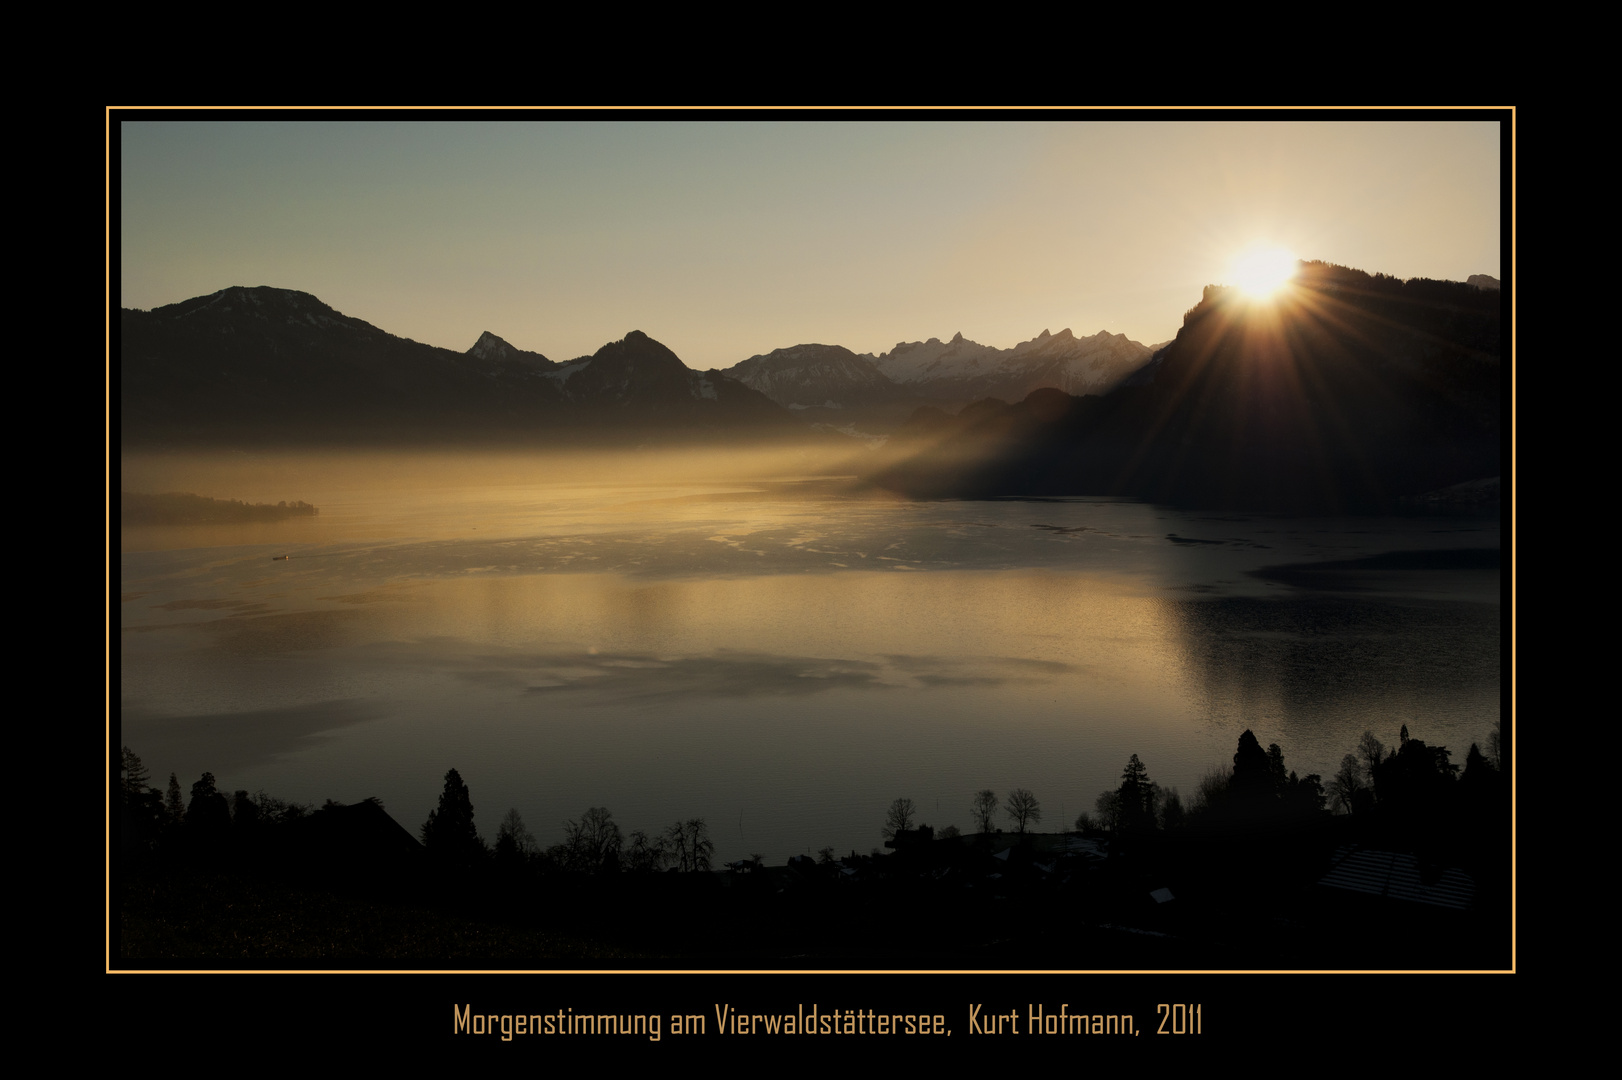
x=1137, y=796
x=449, y=834
x=135, y=776
x=174, y=807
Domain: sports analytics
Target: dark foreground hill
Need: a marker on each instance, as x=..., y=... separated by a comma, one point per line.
x=1349, y=392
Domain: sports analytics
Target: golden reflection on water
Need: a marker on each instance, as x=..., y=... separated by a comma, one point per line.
x=1052, y=621
x=687, y=635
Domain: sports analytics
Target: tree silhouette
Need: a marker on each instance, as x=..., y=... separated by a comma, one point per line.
x=1303, y=796
x=1024, y=808
x=1275, y=768
x=900, y=818
x=1108, y=806
x=1137, y=793
x=646, y=854
x=142, y=818
x=1252, y=771
x=449, y=834
x=514, y=844
x=1372, y=752
x=1417, y=779
x=592, y=844
x=244, y=814
x=1347, y=788
x=1169, y=808
x=1251, y=787
x=690, y=845
x=134, y=777
x=207, y=812
x=174, y=807
x=1212, y=791
x=204, y=786
x=985, y=809
x=1481, y=784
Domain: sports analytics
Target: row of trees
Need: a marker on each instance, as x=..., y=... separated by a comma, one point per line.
x=1413, y=779
x=1021, y=806
x=592, y=843
x=154, y=819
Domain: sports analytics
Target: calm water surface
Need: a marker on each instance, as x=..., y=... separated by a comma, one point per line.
x=769, y=654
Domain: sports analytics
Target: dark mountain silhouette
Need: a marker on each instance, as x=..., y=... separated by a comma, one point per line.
x=1350, y=392
x=496, y=351
x=270, y=366
x=637, y=378
x=940, y=374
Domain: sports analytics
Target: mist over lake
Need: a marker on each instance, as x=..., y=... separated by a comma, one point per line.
x=750, y=640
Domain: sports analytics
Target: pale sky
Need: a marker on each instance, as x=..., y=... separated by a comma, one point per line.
x=726, y=238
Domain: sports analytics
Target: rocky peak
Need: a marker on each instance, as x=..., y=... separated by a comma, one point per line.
x=490, y=347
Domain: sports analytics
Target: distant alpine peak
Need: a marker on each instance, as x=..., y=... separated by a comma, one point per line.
x=957, y=337
x=490, y=347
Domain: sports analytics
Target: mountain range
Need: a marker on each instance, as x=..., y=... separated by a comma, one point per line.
x=943, y=374
x=1349, y=392
x=271, y=365
x=1352, y=391
x=274, y=366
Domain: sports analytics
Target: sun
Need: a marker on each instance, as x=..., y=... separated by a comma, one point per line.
x=1261, y=272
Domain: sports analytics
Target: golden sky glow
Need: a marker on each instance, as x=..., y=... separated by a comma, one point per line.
x=724, y=239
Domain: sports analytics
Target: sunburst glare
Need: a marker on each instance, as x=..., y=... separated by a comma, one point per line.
x=1261, y=272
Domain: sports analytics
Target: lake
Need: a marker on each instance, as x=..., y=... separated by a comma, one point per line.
x=743, y=639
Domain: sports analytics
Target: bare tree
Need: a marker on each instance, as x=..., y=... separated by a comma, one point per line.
x=1347, y=783
x=1169, y=808
x=900, y=818
x=985, y=809
x=647, y=854
x=593, y=843
x=690, y=845
x=1372, y=751
x=1108, y=806
x=1213, y=787
x=1023, y=808
x=513, y=840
